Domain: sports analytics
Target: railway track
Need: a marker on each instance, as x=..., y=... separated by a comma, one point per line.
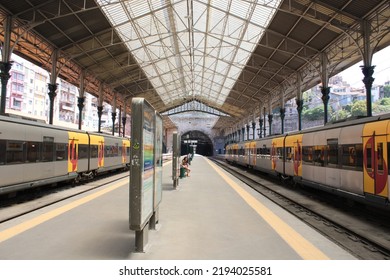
x=362, y=231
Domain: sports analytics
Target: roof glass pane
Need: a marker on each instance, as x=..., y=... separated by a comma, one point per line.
x=191, y=48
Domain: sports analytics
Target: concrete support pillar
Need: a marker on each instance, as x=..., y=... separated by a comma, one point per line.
x=282, y=109
x=53, y=85
x=81, y=99
x=368, y=71
x=52, y=94
x=325, y=90
x=5, y=67
x=119, y=120
x=299, y=109
x=100, y=113
x=270, y=116
x=124, y=125
x=80, y=105
x=265, y=129
x=260, y=127
x=6, y=64
x=299, y=101
x=325, y=99
x=282, y=115
x=100, y=108
x=113, y=114
x=368, y=68
x=113, y=117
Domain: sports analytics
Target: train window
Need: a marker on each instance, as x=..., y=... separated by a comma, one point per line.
x=388, y=156
x=379, y=148
x=83, y=151
x=14, y=152
x=123, y=151
x=352, y=156
x=348, y=156
x=279, y=152
x=94, y=151
x=47, y=151
x=2, y=151
x=108, y=151
x=119, y=150
x=332, y=149
x=61, y=151
x=114, y=150
x=369, y=154
x=307, y=155
x=288, y=153
x=319, y=155
x=359, y=156
x=33, y=151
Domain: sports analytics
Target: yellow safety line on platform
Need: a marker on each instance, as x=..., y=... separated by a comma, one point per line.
x=15, y=230
x=297, y=242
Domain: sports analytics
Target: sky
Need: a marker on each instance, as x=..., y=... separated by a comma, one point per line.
x=381, y=60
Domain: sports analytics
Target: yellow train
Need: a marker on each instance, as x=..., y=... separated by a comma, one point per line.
x=34, y=154
x=348, y=159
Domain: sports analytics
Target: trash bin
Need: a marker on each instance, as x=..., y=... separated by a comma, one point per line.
x=182, y=172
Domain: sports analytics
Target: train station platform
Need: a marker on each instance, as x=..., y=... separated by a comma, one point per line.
x=210, y=216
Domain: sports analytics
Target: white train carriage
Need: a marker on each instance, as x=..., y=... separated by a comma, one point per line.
x=34, y=154
x=349, y=159
x=241, y=158
x=31, y=154
x=115, y=154
x=263, y=155
x=333, y=158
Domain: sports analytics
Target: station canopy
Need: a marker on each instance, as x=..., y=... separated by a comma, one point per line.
x=233, y=56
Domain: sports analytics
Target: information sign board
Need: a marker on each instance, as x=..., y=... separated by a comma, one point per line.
x=142, y=163
x=158, y=160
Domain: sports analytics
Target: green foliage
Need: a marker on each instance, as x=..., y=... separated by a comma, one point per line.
x=340, y=115
x=379, y=109
x=359, y=108
x=386, y=90
x=348, y=108
x=316, y=113
x=384, y=101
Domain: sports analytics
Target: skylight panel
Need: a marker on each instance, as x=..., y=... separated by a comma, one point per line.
x=182, y=48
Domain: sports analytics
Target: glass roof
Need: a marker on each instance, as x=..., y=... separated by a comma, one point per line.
x=191, y=48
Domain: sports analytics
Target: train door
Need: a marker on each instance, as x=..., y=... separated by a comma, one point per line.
x=277, y=154
x=252, y=148
x=48, y=168
x=375, y=159
x=73, y=152
x=247, y=154
x=297, y=155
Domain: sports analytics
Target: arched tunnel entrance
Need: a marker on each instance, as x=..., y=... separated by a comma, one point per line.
x=197, y=141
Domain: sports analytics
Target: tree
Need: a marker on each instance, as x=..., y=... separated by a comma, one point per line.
x=381, y=106
x=340, y=115
x=386, y=90
x=385, y=101
x=348, y=108
x=359, y=108
x=316, y=113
